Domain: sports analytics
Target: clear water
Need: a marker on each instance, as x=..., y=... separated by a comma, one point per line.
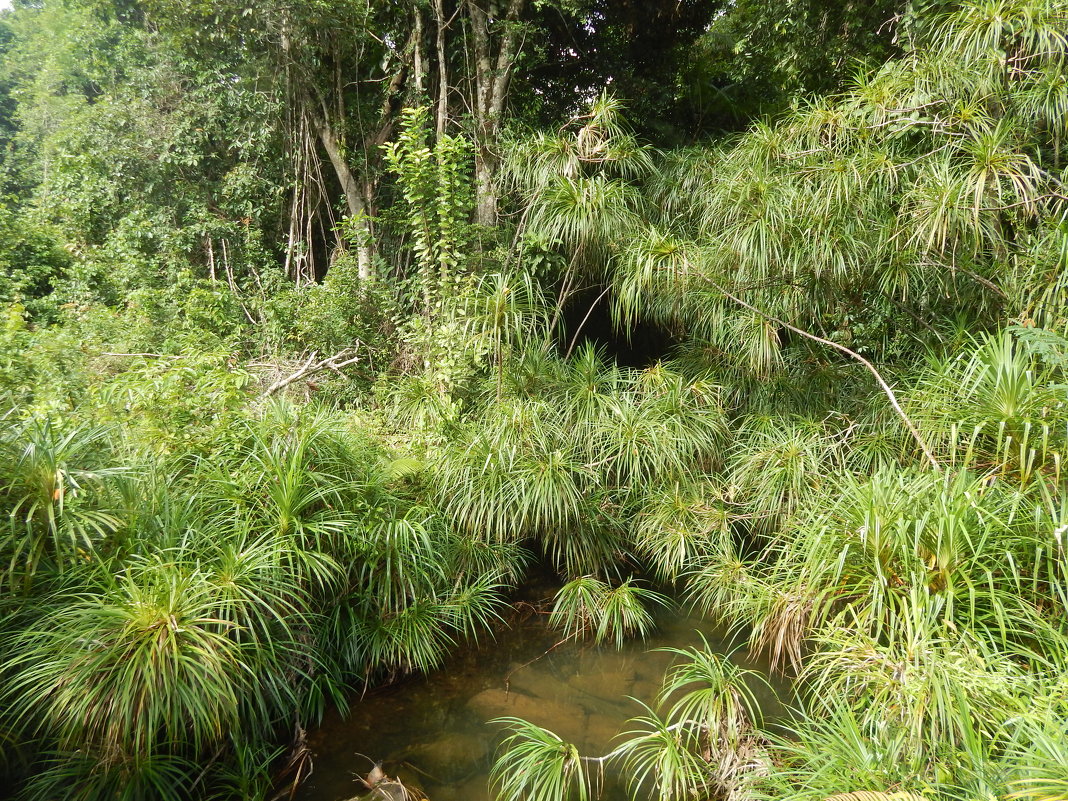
x=434, y=731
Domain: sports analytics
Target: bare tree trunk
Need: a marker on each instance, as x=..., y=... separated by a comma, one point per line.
x=493, y=72
x=357, y=200
x=418, y=67
x=443, y=68
x=323, y=118
x=317, y=111
x=351, y=188
x=485, y=187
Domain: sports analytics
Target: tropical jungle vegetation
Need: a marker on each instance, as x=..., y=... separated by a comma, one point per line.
x=324, y=321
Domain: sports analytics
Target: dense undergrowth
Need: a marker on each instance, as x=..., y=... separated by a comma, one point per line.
x=205, y=544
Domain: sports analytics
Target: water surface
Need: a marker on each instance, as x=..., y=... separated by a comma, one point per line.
x=434, y=732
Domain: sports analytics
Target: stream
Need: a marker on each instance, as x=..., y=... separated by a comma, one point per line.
x=433, y=731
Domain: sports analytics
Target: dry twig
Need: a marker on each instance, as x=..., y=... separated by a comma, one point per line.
x=340, y=359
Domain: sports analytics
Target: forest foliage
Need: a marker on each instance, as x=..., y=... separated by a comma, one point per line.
x=322, y=323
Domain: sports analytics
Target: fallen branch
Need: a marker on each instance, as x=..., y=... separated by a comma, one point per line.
x=142, y=355
x=340, y=359
x=851, y=354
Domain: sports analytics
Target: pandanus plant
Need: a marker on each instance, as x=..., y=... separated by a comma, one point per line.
x=568, y=466
x=261, y=582
x=587, y=605
x=55, y=498
x=159, y=665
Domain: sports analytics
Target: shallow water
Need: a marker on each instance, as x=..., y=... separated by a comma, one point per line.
x=434, y=731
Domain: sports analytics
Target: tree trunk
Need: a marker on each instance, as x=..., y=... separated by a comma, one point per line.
x=443, y=68
x=359, y=202
x=485, y=186
x=351, y=187
x=493, y=72
x=418, y=61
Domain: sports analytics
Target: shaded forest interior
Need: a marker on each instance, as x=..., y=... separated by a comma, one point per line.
x=587, y=319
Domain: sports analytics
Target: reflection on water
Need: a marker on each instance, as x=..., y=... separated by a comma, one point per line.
x=433, y=731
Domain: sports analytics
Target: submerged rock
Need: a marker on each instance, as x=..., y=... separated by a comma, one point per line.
x=474, y=788
x=572, y=722
x=539, y=683
x=609, y=686
x=451, y=758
